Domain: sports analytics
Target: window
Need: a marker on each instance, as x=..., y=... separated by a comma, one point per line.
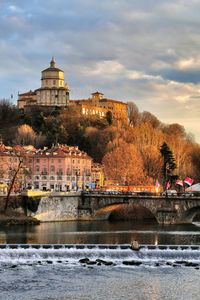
x=44, y=171
x=68, y=171
x=36, y=185
x=37, y=169
x=60, y=171
x=52, y=169
x=52, y=178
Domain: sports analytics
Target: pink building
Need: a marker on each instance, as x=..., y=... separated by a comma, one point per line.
x=60, y=168
x=9, y=162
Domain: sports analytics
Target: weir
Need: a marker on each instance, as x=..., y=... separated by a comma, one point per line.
x=109, y=254
x=98, y=246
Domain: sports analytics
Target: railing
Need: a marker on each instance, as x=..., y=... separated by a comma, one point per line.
x=141, y=195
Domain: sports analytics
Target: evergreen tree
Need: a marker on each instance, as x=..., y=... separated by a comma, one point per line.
x=169, y=164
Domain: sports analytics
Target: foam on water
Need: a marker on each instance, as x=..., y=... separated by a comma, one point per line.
x=116, y=254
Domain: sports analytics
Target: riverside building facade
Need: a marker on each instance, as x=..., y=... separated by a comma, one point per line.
x=60, y=168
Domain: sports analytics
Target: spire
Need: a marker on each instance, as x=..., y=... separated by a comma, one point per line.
x=52, y=63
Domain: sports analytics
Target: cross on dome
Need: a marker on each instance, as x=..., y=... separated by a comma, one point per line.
x=52, y=62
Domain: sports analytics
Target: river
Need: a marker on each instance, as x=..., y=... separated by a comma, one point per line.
x=102, y=232
x=113, y=271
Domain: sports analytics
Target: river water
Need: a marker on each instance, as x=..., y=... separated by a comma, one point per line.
x=93, y=260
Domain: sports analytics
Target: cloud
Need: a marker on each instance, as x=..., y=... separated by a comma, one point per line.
x=146, y=51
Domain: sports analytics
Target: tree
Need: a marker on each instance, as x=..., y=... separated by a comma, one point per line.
x=169, y=164
x=147, y=117
x=124, y=165
x=25, y=135
x=174, y=129
x=10, y=118
x=152, y=163
x=133, y=113
x=12, y=183
x=195, y=158
x=109, y=117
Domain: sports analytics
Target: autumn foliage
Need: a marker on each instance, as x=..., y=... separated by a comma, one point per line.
x=130, y=152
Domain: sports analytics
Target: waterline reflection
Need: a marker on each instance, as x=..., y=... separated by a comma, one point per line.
x=101, y=232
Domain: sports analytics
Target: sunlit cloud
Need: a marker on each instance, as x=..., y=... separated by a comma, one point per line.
x=141, y=51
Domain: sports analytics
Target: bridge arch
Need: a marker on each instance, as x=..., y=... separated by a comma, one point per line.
x=188, y=215
x=124, y=211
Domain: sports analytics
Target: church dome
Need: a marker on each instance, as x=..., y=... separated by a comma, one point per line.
x=52, y=67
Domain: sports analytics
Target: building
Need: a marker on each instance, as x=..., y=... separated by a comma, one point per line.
x=99, y=105
x=53, y=91
x=26, y=99
x=60, y=168
x=97, y=175
x=10, y=158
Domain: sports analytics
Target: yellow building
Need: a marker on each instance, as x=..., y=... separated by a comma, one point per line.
x=97, y=175
x=26, y=99
x=55, y=92
x=98, y=104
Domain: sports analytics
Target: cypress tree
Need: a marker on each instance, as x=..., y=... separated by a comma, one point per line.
x=169, y=164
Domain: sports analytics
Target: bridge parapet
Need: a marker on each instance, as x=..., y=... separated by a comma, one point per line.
x=167, y=210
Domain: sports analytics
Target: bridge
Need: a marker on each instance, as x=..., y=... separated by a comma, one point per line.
x=170, y=210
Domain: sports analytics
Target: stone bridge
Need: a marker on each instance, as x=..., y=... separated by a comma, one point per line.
x=170, y=210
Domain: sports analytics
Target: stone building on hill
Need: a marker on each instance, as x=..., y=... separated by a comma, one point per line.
x=54, y=92
x=99, y=105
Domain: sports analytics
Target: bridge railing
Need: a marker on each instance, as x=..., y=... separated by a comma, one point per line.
x=141, y=194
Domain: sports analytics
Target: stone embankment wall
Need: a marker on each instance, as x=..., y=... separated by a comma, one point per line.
x=60, y=207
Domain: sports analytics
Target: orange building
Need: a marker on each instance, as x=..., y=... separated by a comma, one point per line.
x=26, y=99
x=97, y=175
x=99, y=105
x=133, y=188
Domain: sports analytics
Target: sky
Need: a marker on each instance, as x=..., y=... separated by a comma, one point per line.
x=145, y=51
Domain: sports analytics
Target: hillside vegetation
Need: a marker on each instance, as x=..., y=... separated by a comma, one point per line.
x=130, y=152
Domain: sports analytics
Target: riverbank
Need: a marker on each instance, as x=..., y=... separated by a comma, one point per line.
x=15, y=218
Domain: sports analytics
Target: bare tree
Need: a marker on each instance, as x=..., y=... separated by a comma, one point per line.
x=12, y=183
x=124, y=164
x=133, y=113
